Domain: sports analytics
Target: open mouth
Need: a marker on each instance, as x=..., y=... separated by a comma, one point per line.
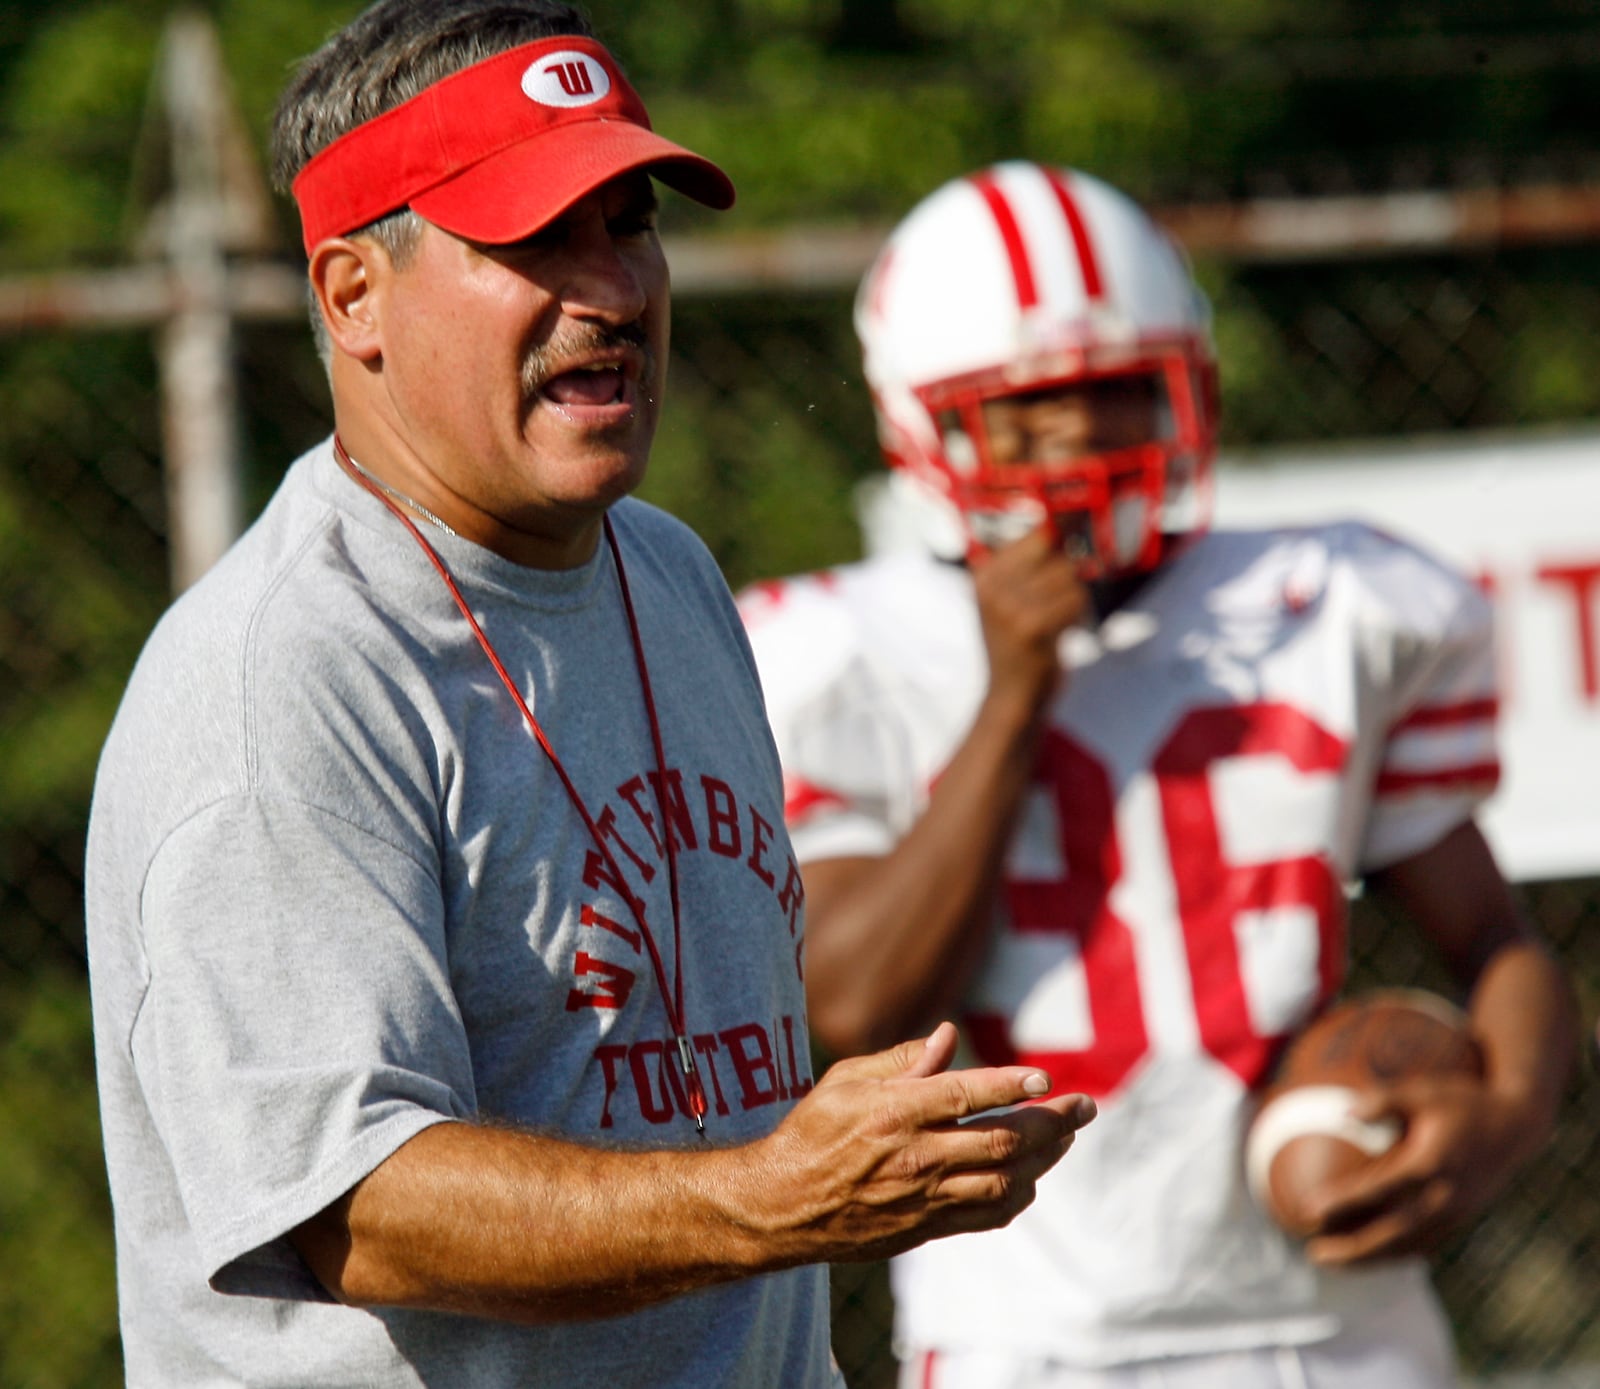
x=603, y=383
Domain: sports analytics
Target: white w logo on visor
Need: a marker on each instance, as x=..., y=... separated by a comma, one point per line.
x=566, y=79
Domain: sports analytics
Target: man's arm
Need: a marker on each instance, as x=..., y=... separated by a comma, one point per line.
x=499, y=1223
x=891, y=941
x=1463, y=1141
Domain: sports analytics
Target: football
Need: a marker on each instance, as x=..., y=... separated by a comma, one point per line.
x=1304, y=1133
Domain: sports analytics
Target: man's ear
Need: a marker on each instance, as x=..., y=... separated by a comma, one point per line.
x=347, y=279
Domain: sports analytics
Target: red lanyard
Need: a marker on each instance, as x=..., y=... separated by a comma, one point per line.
x=671, y=999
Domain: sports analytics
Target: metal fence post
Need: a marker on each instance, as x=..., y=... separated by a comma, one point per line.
x=196, y=345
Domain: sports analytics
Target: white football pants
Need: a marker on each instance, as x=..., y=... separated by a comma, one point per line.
x=1404, y=1347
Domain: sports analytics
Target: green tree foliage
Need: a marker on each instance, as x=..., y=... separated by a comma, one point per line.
x=81, y=580
x=71, y=612
x=58, y=1317
x=832, y=110
x=70, y=103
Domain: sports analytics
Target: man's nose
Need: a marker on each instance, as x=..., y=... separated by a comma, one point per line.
x=604, y=281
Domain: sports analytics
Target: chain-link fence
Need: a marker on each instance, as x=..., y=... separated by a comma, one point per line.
x=767, y=431
x=1523, y=1287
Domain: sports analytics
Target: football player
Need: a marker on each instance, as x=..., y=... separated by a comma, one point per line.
x=1095, y=778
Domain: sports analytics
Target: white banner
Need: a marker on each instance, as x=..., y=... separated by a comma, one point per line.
x=1522, y=515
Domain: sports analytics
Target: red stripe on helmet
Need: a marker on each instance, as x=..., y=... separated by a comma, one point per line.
x=1088, y=262
x=1005, y=221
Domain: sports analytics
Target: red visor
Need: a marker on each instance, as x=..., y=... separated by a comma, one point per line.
x=494, y=152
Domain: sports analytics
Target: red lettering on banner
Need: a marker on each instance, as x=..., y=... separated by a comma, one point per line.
x=609, y=1056
x=760, y=842
x=611, y=989
x=1505, y=666
x=722, y=818
x=1580, y=581
x=590, y=917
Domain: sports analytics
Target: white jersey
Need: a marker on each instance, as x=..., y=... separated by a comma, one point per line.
x=1272, y=716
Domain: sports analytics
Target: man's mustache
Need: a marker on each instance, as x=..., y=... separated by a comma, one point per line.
x=550, y=359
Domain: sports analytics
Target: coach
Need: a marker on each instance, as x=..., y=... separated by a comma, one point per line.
x=445, y=939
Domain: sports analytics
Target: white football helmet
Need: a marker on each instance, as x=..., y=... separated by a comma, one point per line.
x=1022, y=280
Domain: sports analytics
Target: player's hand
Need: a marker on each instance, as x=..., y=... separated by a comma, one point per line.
x=875, y=1159
x=1459, y=1147
x=1028, y=592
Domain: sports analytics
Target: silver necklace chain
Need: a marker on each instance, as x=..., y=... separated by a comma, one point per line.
x=398, y=495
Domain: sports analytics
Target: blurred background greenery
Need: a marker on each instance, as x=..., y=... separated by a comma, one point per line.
x=832, y=115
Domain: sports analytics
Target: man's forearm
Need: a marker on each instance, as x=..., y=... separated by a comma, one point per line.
x=495, y=1222
x=500, y=1223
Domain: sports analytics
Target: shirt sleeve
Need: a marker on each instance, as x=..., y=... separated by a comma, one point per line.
x=846, y=762
x=840, y=788
x=1439, y=760
x=299, y=1024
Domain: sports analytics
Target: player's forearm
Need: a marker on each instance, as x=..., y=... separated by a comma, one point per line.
x=1522, y=1007
x=890, y=947
x=1524, y=1014
x=499, y=1223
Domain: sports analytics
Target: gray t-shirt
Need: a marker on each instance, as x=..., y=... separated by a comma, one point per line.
x=336, y=894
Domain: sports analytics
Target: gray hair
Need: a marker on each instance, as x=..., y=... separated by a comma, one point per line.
x=385, y=56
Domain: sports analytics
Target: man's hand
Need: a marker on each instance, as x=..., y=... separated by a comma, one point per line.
x=1028, y=594
x=495, y=1222
x=893, y=1149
